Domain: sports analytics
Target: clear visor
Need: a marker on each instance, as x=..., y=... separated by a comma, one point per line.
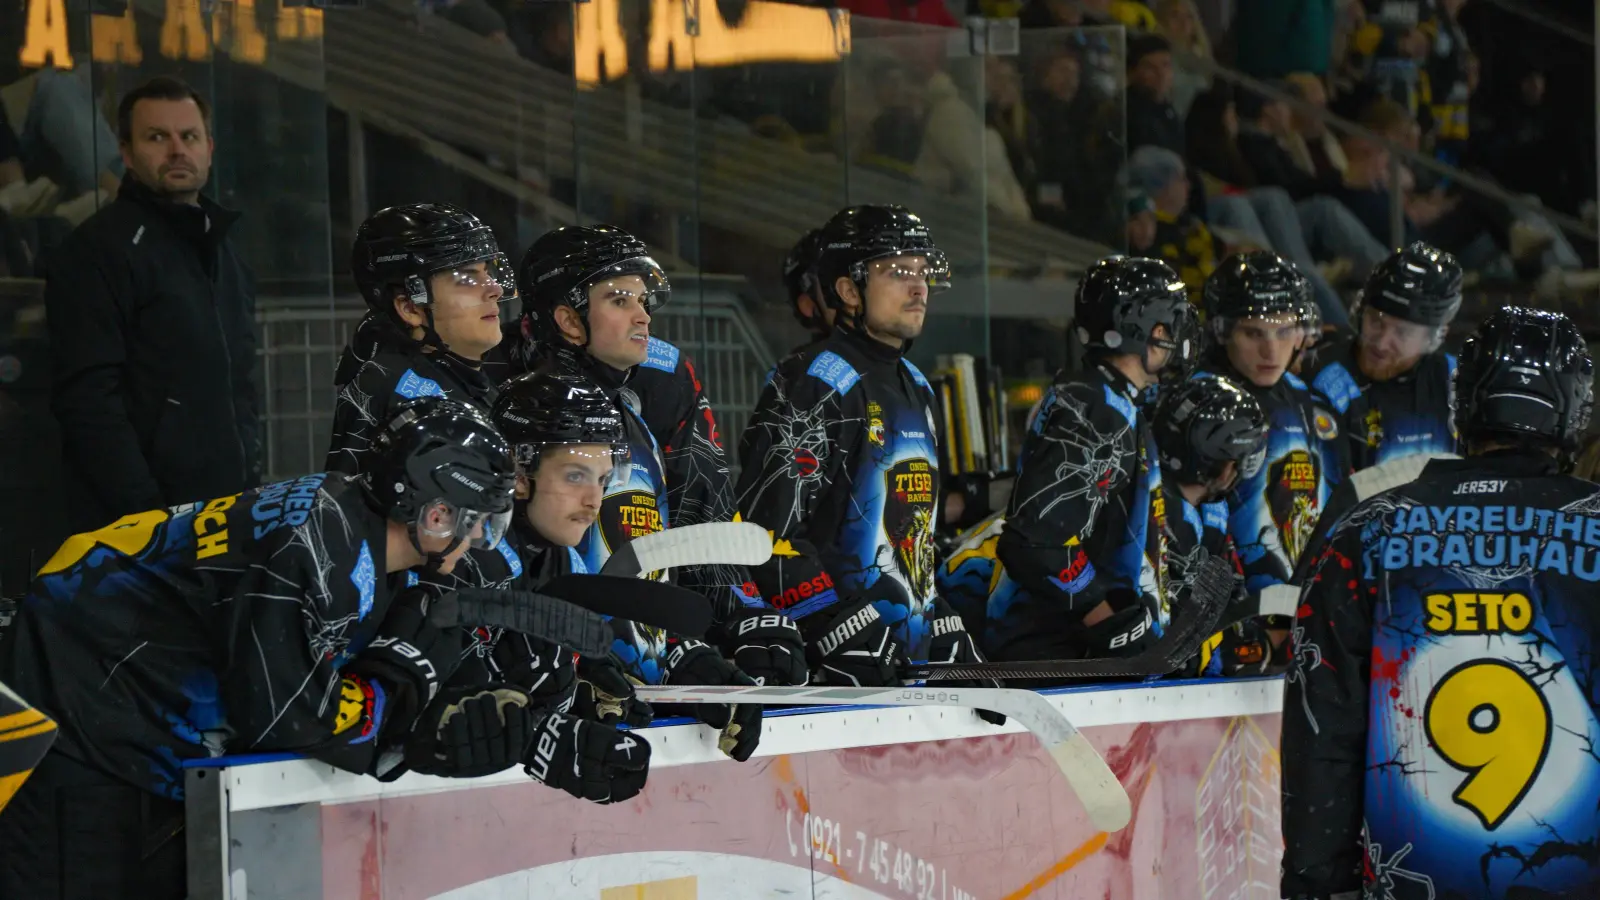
x=1250, y=465
x=573, y=468
x=479, y=530
x=614, y=278
x=927, y=267
x=495, y=271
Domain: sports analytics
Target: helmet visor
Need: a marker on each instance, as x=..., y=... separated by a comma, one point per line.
x=656, y=288
x=574, y=467
x=478, y=529
x=493, y=271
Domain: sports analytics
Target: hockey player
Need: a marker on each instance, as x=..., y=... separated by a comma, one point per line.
x=804, y=290
x=588, y=292
x=1211, y=435
x=1390, y=384
x=1257, y=305
x=1442, y=712
x=840, y=462
x=433, y=279
x=275, y=619
x=1081, y=547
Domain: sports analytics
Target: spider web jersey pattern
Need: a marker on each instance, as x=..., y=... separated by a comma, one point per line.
x=183, y=633
x=673, y=404
x=1382, y=421
x=378, y=369
x=840, y=459
x=1085, y=520
x=1440, y=718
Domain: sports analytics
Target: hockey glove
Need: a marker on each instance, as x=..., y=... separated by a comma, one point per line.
x=1245, y=650
x=605, y=694
x=1127, y=631
x=544, y=670
x=765, y=645
x=696, y=662
x=410, y=657
x=953, y=644
x=588, y=760
x=472, y=731
x=854, y=646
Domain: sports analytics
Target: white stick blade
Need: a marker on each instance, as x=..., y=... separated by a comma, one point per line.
x=709, y=543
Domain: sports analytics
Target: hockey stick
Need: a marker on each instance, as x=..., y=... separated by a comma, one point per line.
x=1101, y=794
x=709, y=543
x=1209, y=592
x=525, y=612
x=657, y=604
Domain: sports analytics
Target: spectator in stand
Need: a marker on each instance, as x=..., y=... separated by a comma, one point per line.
x=152, y=326
x=1007, y=123
x=1101, y=60
x=1076, y=156
x=1142, y=225
x=1532, y=148
x=1131, y=14
x=1451, y=80
x=1151, y=118
x=1276, y=37
x=1181, y=239
x=1390, y=48
x=1314, y=148
x=1179, y=23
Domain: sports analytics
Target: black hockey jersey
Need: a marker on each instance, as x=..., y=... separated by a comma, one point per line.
x=210, y=628
x=1440, y=718
x=1085, y=520
x=381, y=367
x=1387, y=420
x=841, y=462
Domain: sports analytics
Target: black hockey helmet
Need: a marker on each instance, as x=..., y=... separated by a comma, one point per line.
x=1257, y=284
x=1121, y=300
x=1419, y=283
x=1525, y=373
x=396, y=250
x=541, y=410
x=800, y=277
x=858, y=235
x=1202, y=424
x=560, y=266
x=440, y=452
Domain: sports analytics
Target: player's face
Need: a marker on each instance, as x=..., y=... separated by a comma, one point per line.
x=1390, y=346
x=1262, y=348
x=567, y=491
x=466, y=308
x=619, y=323
x=897, y=296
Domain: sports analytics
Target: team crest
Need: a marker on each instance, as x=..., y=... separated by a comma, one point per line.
x=1323, y=422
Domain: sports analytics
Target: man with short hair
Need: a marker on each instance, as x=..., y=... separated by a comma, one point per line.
x=152, y=326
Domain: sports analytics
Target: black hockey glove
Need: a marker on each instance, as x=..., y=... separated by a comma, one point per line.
x=471, y=731
x=544, y=670
x=605, y=694
x=953, y=644
x=1245, y=650
x=694, y=662
x=853, y=646
x=766, y=645
x=595, y=762
x=1127, y=631
x=411, y=657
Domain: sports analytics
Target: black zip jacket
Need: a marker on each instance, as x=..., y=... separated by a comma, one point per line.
x=841, y=459
x=382, y=367
x=1085, y=522
x=1407, y=415
x=212, y=628
x=152, y=332
x=1442, y=712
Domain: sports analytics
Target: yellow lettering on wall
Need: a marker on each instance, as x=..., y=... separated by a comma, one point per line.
x=45, y=37
x=768, y=32
x=299, y=23
x=183, y=32
x=116, y=39
x=597, y=47
x=234, y=27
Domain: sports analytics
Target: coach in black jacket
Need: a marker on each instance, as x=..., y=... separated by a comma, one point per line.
x=152, y=327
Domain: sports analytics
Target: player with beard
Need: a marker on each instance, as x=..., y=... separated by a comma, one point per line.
x=588, y=292
x=433, y=278
x=1081, y=548
x=1211, y=434
x=1391, y=383
x=1257, y=305
x=841, y=463
x=1441, y=715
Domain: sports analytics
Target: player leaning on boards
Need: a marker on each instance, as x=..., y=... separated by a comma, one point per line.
x=841, y=462
x=433, y=279
x=1257, y=306
x=1081, y=547
x=588, y=292
x=1390, y=384
x=275, y=619
x=1440, y=716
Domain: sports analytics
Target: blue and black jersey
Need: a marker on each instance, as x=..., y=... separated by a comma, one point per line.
x=1442, y=713
x=1383, y=421
x=840, y=462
